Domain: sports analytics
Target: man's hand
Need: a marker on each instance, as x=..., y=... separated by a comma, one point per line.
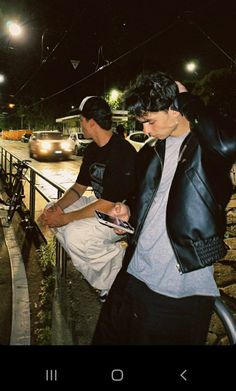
x=53, y=217
x=181, y=87
x=121, y=211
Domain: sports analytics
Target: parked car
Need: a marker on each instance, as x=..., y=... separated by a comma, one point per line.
x=50, y=144
x=81, y=143
x=138, y=139
x=233, y=175
x=25, y=138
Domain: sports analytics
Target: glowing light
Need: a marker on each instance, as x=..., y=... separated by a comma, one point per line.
x=114, y=95
x=14, y=29
x=191, y=66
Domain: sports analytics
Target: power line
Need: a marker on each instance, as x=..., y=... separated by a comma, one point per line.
x=108, y=63
x=213, y=42
x=44, y=61
x=42, y=64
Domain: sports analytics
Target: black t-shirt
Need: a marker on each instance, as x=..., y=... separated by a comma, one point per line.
x=109, y=170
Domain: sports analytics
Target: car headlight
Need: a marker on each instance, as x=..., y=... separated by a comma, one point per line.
x=66, y=145
x=45, y=146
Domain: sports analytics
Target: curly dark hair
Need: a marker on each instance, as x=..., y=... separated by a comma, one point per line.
x=150, y=92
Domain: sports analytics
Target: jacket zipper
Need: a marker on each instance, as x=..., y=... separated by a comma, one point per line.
x=181, y=152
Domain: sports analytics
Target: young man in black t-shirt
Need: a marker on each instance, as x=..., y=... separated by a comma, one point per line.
x=109, y=168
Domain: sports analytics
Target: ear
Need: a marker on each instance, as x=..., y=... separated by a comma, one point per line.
x=173, y=112
x=92, y=123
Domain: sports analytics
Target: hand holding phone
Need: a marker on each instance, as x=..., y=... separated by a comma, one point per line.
x=113, y=222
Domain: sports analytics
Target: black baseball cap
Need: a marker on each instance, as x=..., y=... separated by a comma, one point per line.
x=94, y=106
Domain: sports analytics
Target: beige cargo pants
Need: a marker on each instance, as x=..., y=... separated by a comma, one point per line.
x=95, y=250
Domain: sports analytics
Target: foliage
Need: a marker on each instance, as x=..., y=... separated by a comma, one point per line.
x=47, y=256
x=218, y=89
x=47, y=260
x=40, y=116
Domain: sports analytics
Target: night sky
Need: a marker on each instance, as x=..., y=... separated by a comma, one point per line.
x=122, y=38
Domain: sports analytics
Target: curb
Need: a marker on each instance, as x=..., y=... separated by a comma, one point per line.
x=20, y=329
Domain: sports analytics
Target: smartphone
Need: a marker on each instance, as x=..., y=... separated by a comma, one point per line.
x=113, y=222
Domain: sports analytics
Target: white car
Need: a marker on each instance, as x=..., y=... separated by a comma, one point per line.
x=81, y=143
x=138, y=139
x=233, y=174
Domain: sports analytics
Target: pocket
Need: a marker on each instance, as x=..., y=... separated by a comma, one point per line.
x=209, y=250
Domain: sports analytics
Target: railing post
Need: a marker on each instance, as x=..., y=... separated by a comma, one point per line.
x=61, y=260
x=61, y=256
x=10, y=167
x=32, y=194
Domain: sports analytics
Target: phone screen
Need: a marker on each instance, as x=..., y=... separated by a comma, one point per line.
x=114, y=222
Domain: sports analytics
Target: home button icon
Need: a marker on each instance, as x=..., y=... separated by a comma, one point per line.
x=117, y=375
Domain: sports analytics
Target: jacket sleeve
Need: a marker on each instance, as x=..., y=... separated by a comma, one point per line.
x=215, y=133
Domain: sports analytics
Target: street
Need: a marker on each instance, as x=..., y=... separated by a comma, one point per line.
x=62, y=172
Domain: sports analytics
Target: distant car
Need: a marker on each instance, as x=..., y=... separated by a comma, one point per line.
x=138, y=139
x=81, y=143
x=50, y=144
x=25, y=138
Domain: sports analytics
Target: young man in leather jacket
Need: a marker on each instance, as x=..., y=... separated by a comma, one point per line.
x=165, y=292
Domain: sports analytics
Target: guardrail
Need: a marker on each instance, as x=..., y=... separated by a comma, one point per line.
x=7, y=159
x=227, y=319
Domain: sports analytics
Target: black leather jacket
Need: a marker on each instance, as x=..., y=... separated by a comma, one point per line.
x=200, y=190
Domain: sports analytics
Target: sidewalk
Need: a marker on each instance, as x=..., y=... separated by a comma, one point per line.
x=17, y=315
x=5, y=292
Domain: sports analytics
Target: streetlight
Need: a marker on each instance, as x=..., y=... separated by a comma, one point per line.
x=191, y=66
x=2, y=78
x=113, y=98
x=14, y=29
x=114, y=95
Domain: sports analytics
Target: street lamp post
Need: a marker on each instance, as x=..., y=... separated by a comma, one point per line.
x=22, y=121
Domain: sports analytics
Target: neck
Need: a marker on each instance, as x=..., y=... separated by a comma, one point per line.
x=102, y=137
x=182, y=127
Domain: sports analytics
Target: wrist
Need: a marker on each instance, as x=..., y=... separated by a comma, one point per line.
x=57, y=205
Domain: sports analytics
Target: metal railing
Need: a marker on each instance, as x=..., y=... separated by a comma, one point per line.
x=227, y=319
x=7, y=159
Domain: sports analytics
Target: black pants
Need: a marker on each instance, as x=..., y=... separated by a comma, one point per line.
x=135, y=315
